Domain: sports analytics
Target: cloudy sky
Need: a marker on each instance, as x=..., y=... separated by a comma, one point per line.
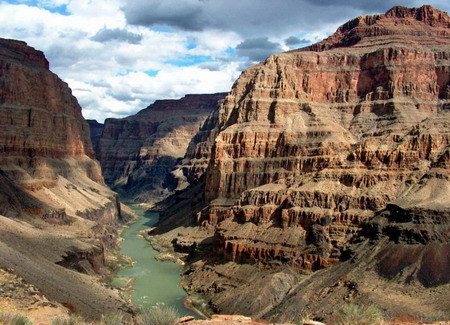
x=118, y=56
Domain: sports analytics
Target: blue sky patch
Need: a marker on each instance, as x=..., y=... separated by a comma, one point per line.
x=161, y=28
x=152, y=73
x=62, y=10
x=124, y=72
x=190, y=60
x=191, y=45
x=230, y=51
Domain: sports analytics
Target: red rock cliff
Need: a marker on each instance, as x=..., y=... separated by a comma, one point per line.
x=39, y=107
x=328, y=178
x=331, y=133
x=312, y=144
x=43, y=137
x=59, y=213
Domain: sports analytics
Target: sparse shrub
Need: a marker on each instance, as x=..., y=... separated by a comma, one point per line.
x=5, y=317
x=59, y=321
x=10, y=318
x=20, y=320
x=352, y=314
x=72, y=320
x=114, y=319
x=435, y=317
x=159, y=315
x=304, y=319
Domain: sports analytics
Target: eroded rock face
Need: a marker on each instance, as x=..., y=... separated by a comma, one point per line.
x=139, y=153
x=309, y=147
x=44, y=140
x=421, y=244
x=50, y=181
x=312, y=142
x=40, y=116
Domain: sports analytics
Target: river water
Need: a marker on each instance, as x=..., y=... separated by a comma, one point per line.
x=155, y=282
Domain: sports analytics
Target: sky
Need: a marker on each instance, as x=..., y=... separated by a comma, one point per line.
x=119, y=56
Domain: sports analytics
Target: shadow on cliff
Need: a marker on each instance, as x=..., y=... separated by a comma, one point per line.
x=150, y=182
x=181, y=208
x=374, y=83
x=14, y=202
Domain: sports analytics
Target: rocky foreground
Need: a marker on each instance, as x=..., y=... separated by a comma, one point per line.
x=237, y=319
x=327, y=179
x=57, y=217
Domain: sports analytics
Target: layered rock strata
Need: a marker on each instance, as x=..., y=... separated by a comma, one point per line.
x=139, y=153
x=57, y=213
x=309, y=147
x=313, y=142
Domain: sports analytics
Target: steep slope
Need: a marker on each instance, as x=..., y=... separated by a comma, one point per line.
x=139, y=153
x=313, y=146
x=57, y=214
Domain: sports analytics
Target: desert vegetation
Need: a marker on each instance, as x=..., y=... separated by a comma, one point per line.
x=159, y=315
x=353, y=314
x=11, y=318
x=156, y=315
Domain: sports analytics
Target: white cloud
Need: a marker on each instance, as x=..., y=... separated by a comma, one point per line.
x=137, y=89
x=91, y=45
x=103, y=59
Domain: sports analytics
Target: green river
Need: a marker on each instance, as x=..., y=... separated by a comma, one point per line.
x=154, y=282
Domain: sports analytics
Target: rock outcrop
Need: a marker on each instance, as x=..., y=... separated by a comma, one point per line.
x=223, y=320
x=56, y=211
x=139, y=153
x=309, y=148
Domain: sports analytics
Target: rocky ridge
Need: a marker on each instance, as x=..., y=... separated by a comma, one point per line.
x=139, y=153
x=333, y=157
x=56, y=214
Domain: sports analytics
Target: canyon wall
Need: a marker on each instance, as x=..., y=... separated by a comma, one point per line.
x=96, y=130
x=57, y=213
x=313, y=146
x=139, y=153
x=317, y=140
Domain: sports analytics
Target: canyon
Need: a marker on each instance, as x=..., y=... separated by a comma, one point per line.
x=138, y=154
x=58, y=219
x=326, y=178
x=321, y=179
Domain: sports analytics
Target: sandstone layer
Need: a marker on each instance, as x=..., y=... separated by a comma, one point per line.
x=139, y=153
x=57, y=215
x=332, y=158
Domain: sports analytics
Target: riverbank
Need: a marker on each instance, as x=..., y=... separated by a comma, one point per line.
x=154, y=282
x=115, y=261
x=166, y=252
